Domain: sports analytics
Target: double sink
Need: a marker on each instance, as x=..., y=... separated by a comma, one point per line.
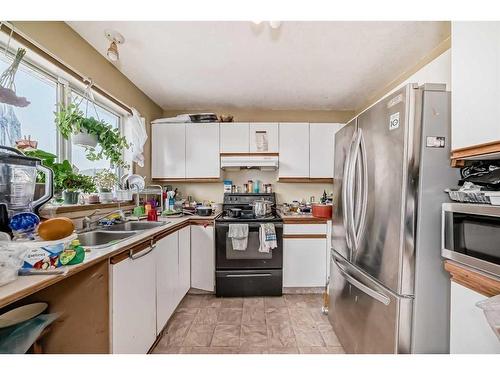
x=106, y=236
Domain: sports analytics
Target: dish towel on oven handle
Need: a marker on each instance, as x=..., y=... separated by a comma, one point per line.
x=239, y=236
x=267, y=235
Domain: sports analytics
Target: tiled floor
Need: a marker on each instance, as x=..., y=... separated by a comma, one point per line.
x=291, y=324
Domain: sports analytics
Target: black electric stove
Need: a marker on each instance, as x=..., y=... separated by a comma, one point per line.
x=248, y=272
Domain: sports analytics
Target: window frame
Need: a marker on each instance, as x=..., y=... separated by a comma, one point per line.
x=65, y=84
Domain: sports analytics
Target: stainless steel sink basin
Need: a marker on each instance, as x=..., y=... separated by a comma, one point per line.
x=100, y=238
x=134, y=226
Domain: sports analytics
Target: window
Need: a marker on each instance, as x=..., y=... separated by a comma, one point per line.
x=78, y=157
x=46, y=87
x=37, y=119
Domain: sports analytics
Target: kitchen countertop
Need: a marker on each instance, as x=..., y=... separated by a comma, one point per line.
x=26, y=285
x=301, y=218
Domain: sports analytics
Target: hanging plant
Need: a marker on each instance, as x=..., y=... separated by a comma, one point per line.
x=7, y=85
x=70, y=120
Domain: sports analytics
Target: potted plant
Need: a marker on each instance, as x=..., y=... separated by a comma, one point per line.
x=73, y=184
x=105, y=181
x=89, y=132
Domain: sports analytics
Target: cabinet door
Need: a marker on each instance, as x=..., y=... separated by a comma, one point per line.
x=234, y=137
x=134, y=305
x=304, y=262
x=475, y=76
x=470, y=333
x=202, y=257
x=168, y=150
x=167, y=284
x=184, y=261
x=322, y=144
x=294, y=150
x=271, y=131
x=202, y=151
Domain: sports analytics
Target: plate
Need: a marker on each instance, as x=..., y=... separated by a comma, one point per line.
x=21, y=314
x=135, y=181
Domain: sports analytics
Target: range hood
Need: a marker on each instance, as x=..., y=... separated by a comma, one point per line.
x=263, y=162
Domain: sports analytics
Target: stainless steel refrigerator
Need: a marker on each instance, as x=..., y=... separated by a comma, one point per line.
x=388, y=290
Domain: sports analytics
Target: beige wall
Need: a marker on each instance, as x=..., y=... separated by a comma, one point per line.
x=65, y=44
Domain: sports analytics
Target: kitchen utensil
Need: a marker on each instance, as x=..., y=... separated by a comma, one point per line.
x=203, y=211
x=18, y=174
x=323, y=211
x=21, y=314
x=262, y=208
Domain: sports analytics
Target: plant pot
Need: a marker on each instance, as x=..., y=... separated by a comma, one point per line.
x=70, y=197
x=106, y=197
x=84, y=139
x=93, y=198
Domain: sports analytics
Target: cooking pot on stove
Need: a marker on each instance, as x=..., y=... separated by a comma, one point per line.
x=262, y=208
x=233, y=212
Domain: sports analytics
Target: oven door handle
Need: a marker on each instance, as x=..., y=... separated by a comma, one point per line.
x=250, y=275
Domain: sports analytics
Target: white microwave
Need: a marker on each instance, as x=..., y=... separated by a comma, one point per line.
x=471, y=236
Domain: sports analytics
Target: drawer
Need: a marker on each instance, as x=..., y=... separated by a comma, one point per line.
x=304, y=229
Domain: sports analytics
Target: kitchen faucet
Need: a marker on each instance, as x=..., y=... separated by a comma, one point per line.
x=88, y=222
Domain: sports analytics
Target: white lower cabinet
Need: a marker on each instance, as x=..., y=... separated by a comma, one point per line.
x=304, y=262
x=134, y=303
x=202, y=258
x=470, y=333
x=167, y=271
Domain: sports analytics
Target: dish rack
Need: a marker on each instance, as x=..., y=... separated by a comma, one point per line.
x=469, y=197
x=149, y=190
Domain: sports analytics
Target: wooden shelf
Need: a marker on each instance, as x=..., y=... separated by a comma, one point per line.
x=484, y=151
x=471, y=279
x=187, y=180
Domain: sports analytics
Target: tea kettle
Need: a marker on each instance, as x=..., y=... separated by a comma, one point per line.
x=18, y=174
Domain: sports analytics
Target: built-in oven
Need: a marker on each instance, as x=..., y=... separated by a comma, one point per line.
x=471, y=236
x=248, y=272
x=228, y=258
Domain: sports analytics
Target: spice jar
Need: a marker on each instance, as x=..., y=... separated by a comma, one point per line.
x=250, y=186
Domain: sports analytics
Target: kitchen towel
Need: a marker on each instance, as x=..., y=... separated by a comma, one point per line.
x=267, y=235
x=239, y=236
x=135, y=132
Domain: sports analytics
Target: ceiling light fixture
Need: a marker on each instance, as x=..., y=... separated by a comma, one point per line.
x=115, y=38
x=272, y=24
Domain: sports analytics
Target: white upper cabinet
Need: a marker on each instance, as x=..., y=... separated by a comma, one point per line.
x=294, y=150
x=475, y=83
x=234, y=137
x=168, y=155
x=262, y=133
x=202, y=150
x=322, y=149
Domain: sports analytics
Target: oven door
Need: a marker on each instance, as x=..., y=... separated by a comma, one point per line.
x=472, y=239
x=229, y=259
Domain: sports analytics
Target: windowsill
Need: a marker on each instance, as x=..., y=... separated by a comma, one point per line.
x=50, y=210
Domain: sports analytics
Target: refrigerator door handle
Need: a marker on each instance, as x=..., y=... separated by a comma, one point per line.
x=351, y=226
x=358, y=284
x=363, y=188
x=345, y=189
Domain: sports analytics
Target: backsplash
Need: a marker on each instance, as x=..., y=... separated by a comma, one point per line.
x=285, y=192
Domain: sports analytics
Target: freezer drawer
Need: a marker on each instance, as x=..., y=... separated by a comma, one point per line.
x=367, y=317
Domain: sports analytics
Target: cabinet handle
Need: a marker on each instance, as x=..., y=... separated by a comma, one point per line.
x=141, y=253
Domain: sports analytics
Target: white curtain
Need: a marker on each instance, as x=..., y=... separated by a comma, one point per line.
x=135, y=132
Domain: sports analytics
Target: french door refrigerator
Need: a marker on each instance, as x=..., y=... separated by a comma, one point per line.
x=388, y=290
